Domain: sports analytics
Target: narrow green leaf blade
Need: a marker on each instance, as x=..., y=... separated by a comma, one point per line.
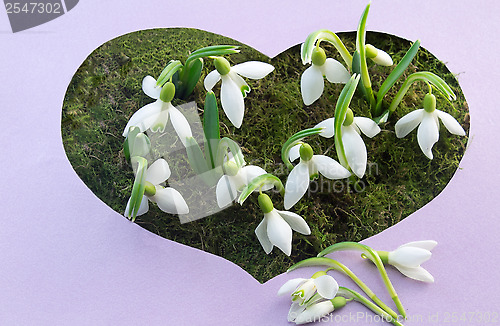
x=139, y=185
x=195, y=156
x=191, y=76
x=215, y=50
x=324, y=35
x=211, y=127
x=168, y=72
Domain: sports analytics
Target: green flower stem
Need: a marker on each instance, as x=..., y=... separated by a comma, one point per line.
x=351, y=294
x=258, y=182
x=338, y=266
x=361, y=49
x=426, y=76
x=294, y=140
x=226, y=144
x=369, y=252
x=315, y=38
x=139, y=186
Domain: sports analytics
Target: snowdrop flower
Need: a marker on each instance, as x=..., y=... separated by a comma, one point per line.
x=302, y=291
x=234, y=179
x=320, y=309
x=155, y=115
x=378, y=56
x=408, y=258
x=312, y=83
x=234, y=89
x=427, y=120
x=354, y=147
x=309, y=167
x=168, y=199
x=276, y=227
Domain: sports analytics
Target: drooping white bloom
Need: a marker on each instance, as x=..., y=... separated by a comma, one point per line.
x=155, y=115
x=302, y=292
x=234, y=179
x=427, y=120
x=168, y=199
x=276, y=227
x=315, y=312
x=312, y=82
x=378, y=56
x=408, y=258
x=354, y=146
x=309, y=166
x=234, y=88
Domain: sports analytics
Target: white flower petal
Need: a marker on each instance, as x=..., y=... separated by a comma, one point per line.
x=161, y=120
x=251, y=172
x=291, y=285
x=158, y=172
x=428, y=133
x=416, y=273
x=408, y=122
x=232, y=101
x=409, y=256
x=170, y=201
x=296, y=222
x=149, y=87
x=450, y=123
x=314, y=312
x=253, y=69
x=180, y=124
x=296, y=184
x=311, y=84
x=144, y=117
x=326, y=286
x=279, y=232
x=211, y=79
x=294, y=153
x=143, y=208
x=225, y=191
x=329, y=125
x=335, y=72
x=382, y=58
x=242, y=84
x=330, y=168
x=261, y=233
x=295, y=310
x=367, y=126
x=424, y=244
x=355, y=151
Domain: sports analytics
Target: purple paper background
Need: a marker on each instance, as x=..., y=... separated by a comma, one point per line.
x=68, y=259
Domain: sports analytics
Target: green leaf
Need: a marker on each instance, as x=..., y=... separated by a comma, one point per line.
x=168, y=72
x=259, y=182
x=136, y=143
x=324, y=35
x=395, y=74
x=382, y=118
x=190, y=76
x=226, y=144
x=211, y=127
x=215, y=50
x=294, y=140
x=139, y=185
x=195, y=156
x=129, y=141
x=425, y=76
x=340, y=112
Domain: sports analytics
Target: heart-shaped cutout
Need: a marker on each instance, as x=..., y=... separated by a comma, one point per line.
x=106, y=91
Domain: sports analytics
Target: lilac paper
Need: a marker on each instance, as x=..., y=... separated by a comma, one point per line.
x=68, y=259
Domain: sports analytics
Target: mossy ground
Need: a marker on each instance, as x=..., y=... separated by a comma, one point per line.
x=106, y=91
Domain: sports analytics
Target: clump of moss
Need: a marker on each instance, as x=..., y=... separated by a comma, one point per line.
x=106, y=91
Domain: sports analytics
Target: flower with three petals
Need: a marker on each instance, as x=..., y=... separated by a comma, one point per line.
x=276, y=227
x=306, y=295
x=427, y=120
x=234, y=179
x=312, y=82
x=155, y=115
x=168, y=199
x=408, y=258
x=354, y=147
x=309, y=167
x=234, y=88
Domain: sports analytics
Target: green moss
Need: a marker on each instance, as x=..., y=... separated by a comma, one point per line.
x=106, y=91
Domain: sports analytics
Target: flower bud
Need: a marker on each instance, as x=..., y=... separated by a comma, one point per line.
x=231, y=169
x=306, y=152
x=318, y=56
x=265, y=203
x=222, y=65
x=429, y=103
x=378, y=56
x=167, y=92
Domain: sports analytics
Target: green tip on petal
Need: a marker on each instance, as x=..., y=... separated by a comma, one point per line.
x=222, y=65
x=338, y=302
x=167, y=92
x=265, y=203
x=318, y=274
x=318, y=56
x=306, y=152
x=429, y=102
